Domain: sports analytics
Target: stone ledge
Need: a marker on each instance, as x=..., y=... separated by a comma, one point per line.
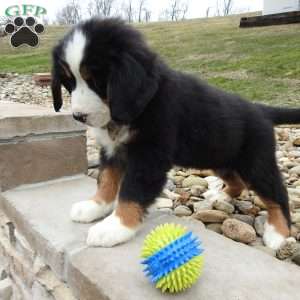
x=41, y=213
x=232, y=270
x=37, y=144
x=36, y=161
x=21, y=120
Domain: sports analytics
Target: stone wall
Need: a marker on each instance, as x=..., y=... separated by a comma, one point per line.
x=23, y=273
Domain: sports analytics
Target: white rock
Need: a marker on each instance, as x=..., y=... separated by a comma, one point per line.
x=171, y=195
x=164, y=203
x=214, y=183
x=295, y=170
x=6, y=289
x=203, y=205
x=214, y=195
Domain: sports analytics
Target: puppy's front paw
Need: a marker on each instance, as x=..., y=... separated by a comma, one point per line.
x=89, y=211
x=109, y=232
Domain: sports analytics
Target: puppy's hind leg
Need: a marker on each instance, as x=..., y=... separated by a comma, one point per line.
x=234, y=184
x=266, y=181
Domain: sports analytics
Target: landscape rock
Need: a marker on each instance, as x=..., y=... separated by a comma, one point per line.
x=238, y=231
x=247, y=207
x=194, y=180
x=6, y=289
x=296, y=257
x=294, y=153
x=197, y=190
x=170, y=194
x=170, y=185
x=294, y=192
x=296, y=142
x=295, y=170
x=182, y=210
x=223, y=206
x=196, y=199
x=211, y=216
x=216, y=227
x=259, y=203
x=296, y=202
x=296, y=217
x=244, y=218
x=184, y=197
x=164, y=203
x=181, y=173
x=178, y=180
x=203, y=205
x=259, y=224
x=287, y=249
x=94, y=173
x=214, y=183
x=214, y=195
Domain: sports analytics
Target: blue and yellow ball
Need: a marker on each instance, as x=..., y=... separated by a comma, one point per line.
x=173, y=258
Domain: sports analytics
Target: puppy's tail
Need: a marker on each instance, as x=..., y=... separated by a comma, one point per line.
x=281, y=115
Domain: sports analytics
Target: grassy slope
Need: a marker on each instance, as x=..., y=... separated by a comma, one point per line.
x=262, y=64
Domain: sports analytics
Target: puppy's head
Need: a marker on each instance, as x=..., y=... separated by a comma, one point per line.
x=109, y=71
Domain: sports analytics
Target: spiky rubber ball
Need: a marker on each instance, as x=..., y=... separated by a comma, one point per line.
x=172, y=257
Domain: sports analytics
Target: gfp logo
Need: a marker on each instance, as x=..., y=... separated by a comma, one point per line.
x=24, y=31
x=25, y=10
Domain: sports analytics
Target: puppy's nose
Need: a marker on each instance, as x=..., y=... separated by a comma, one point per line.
x=80, y=117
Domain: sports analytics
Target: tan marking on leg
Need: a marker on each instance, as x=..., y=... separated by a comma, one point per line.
x=234, y=185
x=276, y=217
x=108, y=185
x=130, y=213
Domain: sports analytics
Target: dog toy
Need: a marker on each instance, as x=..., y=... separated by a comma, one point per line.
x=172, y=257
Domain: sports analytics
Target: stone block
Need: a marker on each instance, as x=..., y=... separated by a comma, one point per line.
x=36, y=161
x=21, y=121
x=41, y=214
x=37, y=144
x=5, y=289
x=232, y=270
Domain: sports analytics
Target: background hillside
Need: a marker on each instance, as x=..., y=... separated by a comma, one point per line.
x=262, y=64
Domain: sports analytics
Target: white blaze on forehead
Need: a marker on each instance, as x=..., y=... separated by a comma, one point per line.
x=84, y=100
x=75, y=50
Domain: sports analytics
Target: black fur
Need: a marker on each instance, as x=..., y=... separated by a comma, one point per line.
x=178, y=119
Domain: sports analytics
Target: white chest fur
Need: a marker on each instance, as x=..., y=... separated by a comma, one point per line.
x=110, y=145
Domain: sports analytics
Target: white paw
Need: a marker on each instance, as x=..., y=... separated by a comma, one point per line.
x=109, y=232
x=272, y=238
x=89, y=211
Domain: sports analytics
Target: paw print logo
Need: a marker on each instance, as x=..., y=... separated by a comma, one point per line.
x=24, y=31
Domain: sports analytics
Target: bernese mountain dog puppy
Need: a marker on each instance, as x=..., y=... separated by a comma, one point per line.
x=148, y=118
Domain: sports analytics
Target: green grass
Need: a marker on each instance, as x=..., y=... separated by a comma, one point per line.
x=30, y=60
x=262, y=64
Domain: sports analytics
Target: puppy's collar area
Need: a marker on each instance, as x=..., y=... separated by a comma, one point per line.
x=113, y=129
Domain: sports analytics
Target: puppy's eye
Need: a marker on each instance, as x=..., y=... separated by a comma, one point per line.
x=85, y=73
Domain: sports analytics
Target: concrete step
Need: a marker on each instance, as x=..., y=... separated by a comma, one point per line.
x=37, y=144
x=232, y=270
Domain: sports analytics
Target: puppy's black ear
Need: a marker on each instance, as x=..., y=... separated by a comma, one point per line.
x=56, y=88
x=130, y=89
